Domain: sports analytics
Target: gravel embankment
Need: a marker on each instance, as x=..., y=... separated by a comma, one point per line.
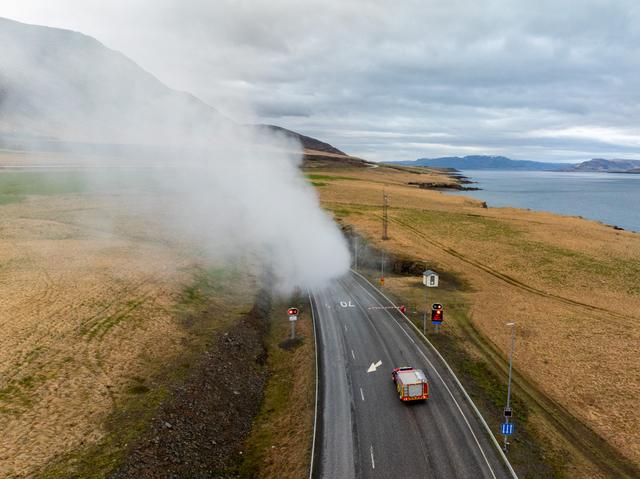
x=199, y=432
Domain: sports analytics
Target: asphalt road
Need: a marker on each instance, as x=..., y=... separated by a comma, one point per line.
x=363, y=429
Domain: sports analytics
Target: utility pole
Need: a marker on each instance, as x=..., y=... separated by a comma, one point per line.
x=385, y=215
x=382, y=267
x=507, y=410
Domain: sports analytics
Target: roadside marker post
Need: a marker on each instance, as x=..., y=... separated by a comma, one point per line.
x=293, y=317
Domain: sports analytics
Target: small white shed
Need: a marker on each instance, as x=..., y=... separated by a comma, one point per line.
x=430, y=279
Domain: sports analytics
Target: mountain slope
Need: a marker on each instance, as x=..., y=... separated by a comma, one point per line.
x=61, y=84
x=307, y=142
x=62, y=89
x=482, y=162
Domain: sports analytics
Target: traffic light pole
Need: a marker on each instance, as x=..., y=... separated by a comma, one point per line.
x=426, y=307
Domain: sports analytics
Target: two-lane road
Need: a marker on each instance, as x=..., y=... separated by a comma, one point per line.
x=364, y=430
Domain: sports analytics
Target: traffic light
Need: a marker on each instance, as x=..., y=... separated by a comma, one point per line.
x=437, y=313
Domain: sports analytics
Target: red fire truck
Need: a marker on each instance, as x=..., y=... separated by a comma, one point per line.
x=411, y=384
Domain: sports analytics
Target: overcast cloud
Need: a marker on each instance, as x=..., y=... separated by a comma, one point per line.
x=545, y=80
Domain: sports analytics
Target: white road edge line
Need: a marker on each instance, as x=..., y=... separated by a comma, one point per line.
x=315, y=412
x=373, y=462
x=361, y=394
x=464, y=391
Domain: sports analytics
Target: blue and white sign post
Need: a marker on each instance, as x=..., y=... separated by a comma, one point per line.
x=508, y=427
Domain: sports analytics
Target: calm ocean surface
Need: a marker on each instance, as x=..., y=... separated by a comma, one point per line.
x=607, y=197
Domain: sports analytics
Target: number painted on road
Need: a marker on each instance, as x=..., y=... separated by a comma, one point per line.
x=347, y=304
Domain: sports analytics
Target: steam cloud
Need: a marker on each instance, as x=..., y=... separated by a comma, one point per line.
x=234, y=189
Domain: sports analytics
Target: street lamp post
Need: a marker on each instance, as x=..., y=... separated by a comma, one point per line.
x=507, y=409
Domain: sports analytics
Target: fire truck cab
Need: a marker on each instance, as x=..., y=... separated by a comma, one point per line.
x=411, y=384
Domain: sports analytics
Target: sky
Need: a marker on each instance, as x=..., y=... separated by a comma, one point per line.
x=386, y=80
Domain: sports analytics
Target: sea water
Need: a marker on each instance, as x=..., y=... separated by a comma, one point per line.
x=611, y=198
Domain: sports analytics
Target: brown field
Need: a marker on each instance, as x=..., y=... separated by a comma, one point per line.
x=571, y=285
x=92, y=311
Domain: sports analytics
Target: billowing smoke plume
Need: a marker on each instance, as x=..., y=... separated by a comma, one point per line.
x=234, y=190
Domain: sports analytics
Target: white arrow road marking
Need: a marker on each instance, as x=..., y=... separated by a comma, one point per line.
x=352, y=354
x=374, y=366
x=373, y=462
x=361, y=394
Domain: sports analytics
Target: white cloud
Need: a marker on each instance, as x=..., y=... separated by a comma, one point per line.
x=613, y=136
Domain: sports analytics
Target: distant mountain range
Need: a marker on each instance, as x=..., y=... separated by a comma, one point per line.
x=609, y=166
x=484, y=162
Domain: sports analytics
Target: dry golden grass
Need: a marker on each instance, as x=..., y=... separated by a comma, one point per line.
x=279, y=445
x=386, y=175
x=572, y=286
x=87, y=308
